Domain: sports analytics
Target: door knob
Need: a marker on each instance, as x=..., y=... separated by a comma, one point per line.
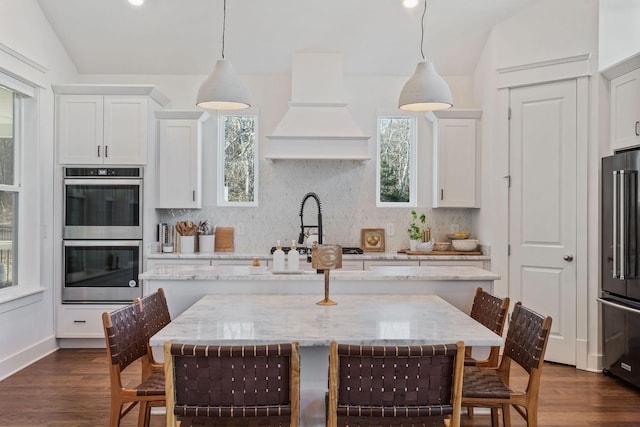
x=568, y=258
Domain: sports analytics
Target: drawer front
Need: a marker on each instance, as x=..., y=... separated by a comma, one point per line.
x=81, y=322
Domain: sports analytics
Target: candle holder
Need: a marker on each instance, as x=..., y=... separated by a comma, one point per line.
x=326, y=257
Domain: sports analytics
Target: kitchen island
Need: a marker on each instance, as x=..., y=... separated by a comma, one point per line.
x=357, y=319
x=184, y=285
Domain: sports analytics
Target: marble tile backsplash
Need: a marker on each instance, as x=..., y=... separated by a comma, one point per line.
x=347, y=193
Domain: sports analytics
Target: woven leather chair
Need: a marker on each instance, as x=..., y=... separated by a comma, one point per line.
x=491, y=311
x=252, y=385
x=395, y=385
x=525, y=345
x=126, y=343
x=156, y=316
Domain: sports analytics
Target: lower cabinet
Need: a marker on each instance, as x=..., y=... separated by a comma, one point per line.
x=82, y=320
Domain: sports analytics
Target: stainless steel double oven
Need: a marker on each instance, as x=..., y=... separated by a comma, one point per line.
x=102, y=234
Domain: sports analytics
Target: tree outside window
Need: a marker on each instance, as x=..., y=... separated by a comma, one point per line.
x=237, y=178
x=396, y=161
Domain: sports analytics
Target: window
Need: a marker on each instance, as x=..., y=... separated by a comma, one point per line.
x=396, y=167
x=238, y=161
x=10, y=103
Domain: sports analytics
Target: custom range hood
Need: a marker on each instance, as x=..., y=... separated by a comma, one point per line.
x=318, y=124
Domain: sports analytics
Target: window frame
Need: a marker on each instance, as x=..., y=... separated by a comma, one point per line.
x=413, y=160
x=16, y=187
x=221, y=158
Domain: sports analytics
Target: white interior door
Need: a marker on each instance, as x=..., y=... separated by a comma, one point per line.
x=542, y=208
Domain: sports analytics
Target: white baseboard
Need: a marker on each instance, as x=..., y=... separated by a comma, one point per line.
x=26, y=357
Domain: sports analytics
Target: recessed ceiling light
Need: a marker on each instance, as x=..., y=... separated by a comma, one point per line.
x=139, y=2
x=410, y=3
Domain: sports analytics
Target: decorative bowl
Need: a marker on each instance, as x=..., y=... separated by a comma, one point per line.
x=466, y=245
x=441, y=246
x=458, y=236
x=424, y=246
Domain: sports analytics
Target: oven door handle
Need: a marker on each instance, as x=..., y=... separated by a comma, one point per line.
x=620, y=306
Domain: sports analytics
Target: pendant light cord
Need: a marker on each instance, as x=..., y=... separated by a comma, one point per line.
x=224, y=23
x=424, y=12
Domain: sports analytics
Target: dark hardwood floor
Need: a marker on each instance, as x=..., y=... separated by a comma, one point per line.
x=71, y=388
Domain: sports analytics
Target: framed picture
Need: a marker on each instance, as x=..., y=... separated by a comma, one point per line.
x=372, y=239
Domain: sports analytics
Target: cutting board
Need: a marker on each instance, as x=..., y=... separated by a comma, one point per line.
x=224, y=239
x=408, y=252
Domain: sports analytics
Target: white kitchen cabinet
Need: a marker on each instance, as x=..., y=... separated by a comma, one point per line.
x=179, y=172
x=625, y=110
x=82, y=320
x=104, y=124
x=456, y=157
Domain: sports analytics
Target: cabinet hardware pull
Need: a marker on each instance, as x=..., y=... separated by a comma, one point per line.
x=194, y=195
x=79, y=321
x=98, y=151
x=637, y=130
x=442, y=194
x=106, y=151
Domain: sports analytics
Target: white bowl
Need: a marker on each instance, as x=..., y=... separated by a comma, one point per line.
x=466, y=245
x=424, y=246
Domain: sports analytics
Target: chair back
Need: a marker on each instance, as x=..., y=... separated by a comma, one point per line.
x=527, y=338
x=395, y=381
x=125, y=336
x=490, y=310
x=155, y=310
x=209, y=381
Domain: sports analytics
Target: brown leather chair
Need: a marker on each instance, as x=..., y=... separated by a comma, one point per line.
x=156, y=316
x=525, y=345
x=491, y=311
x=250, y=385
x=399, y=385
x=127, y=343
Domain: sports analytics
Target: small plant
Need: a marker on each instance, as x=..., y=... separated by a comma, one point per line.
x=414, y=229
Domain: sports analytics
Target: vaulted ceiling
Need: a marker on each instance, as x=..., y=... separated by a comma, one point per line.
x=185, y=36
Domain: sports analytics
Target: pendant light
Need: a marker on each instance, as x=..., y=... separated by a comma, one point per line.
x=425, y=90
x=223, y=90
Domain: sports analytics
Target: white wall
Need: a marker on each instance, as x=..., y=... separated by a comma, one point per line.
x=619, y=31
x=547, y=30
x=27, y=324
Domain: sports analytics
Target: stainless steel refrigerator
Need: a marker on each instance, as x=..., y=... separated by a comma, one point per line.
x=620, y=281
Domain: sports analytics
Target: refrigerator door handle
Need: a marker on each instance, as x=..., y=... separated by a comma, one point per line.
x=616, y=179
x=618, y=306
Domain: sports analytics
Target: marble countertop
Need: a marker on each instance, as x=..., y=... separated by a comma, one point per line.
x=356, y=319
x=230, y=273
x=367, y=256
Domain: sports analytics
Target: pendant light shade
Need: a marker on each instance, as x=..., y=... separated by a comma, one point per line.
x=425, y=90
x=223, y=90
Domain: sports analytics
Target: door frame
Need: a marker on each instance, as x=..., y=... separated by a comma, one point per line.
x=577, y=68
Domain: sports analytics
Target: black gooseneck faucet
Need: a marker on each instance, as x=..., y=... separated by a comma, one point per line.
x=302, y=226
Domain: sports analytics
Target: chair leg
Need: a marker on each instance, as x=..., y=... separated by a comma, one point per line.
x=494, y=417
x=506, y=414
x=144, y=414
x=115, y=414
x=470, y=411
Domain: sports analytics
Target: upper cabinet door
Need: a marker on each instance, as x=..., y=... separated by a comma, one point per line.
x=179, y=172
x=80, y=129
x=456, y=162
x=125, y=130
x=625, y=110
x=102, y=129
